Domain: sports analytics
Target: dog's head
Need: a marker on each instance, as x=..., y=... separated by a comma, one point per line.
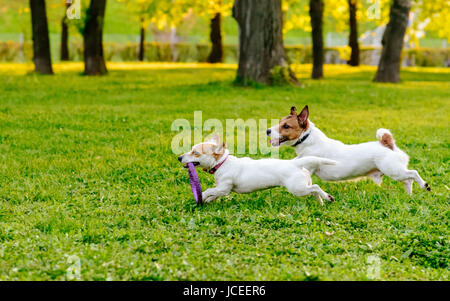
x=290, y=128
x=205, y=154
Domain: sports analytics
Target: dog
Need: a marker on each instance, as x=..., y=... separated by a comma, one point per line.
x=373, y=159
x=245, y=175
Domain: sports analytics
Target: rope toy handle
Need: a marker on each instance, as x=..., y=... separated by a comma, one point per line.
x=195, y=184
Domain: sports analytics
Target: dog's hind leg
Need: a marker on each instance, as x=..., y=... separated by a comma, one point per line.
x=317, y=191
x=314, y=190
x=376, y=176
x=318, y=197
x=395, y=165
x=414, y=175
x=400, y=173
x=408, y=185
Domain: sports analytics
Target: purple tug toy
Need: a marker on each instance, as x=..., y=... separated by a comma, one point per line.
x=195, y=184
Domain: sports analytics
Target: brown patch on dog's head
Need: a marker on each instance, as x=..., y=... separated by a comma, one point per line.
x=217, y=150
x=292, y=126
x=208, y=148
x=212, y=147
x=387, y=141
x=204, y=154
x=202, y=149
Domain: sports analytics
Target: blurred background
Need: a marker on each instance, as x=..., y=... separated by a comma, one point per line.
x=179, y=30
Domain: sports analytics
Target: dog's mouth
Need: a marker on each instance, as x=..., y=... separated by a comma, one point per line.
x=195, y=164
x=277, y=142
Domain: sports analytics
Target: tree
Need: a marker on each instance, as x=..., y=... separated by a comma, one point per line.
x=316, y=14
x=168, y=16
x=94, y=61
x=216, y=54
x=41, y=44
x=393, y=40
x=141, y=54
x=350, y=15
x=143, y=10
x=262, y=57
x=353, y=36
x=214, y=10
x=64, y=50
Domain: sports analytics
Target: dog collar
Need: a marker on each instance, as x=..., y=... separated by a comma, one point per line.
x=215, y=168
x=301, y=140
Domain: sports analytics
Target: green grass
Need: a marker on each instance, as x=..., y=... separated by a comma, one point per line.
x=86, y=170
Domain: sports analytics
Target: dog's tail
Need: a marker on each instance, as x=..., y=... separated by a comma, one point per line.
x=312, y=163
x=386, y=139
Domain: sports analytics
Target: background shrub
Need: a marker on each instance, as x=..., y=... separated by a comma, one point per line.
x=189, y=52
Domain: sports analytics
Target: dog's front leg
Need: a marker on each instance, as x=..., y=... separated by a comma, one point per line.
x=213, y=193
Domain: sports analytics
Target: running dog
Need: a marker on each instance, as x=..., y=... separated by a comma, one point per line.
x=373, y=159
x=244, y=175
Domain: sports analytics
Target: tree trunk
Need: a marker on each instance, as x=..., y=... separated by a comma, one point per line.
x=41, y=44
x=316, y=13
x=262, y=57
x=142, y=42
x=353, y=37
x=65, y=36
x=393, y=37
x=94, y=62
x=216, y=54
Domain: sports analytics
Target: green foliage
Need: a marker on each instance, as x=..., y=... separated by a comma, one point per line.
x=436, y=14
x=431, y=16
x=190, y=52
x=428, y=57
x=10, y=51
x=191, y=18
x=280, y=76
x=87, y=171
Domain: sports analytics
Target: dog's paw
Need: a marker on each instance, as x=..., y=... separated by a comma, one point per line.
x=208, y=198
x=427, y=187
x=330, y=198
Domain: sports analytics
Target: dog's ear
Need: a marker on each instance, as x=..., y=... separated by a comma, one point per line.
x=219, y=149
x=215, y=139
x=294, y=110
x=303, y=116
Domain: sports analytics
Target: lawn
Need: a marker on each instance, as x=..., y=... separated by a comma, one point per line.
x=90, y=189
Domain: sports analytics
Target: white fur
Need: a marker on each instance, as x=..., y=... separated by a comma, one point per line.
x=244, y=175
x=366, y=159
x=381, y=132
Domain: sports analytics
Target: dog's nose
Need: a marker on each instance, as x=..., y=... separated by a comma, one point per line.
x=180, y=158
x=268, y=132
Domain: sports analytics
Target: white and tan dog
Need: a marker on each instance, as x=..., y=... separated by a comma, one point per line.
x=244, y=175
x=373, y=159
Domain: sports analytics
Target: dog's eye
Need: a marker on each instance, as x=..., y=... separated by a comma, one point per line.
x=195, y=153
x=285, y=126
